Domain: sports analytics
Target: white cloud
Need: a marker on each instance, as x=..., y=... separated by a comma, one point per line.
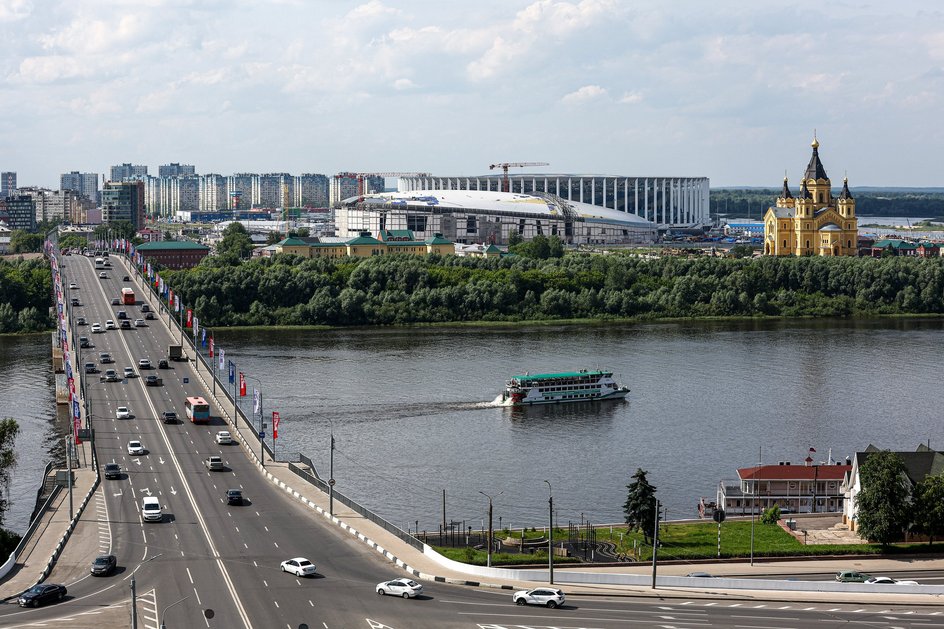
x=403, y=84
x=13, y=10
x=630, y=98
x=372, y=9
x=584, y=94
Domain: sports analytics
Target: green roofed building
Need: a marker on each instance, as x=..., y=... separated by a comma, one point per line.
x=365, y=245
x=174, y=254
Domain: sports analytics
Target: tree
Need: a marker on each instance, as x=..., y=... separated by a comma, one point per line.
x=115, y=229
x=640, y=506
x=555, y=247
x=882, y=505
x=273, y=237
x=514, y=238
x=25, y=242
x=928, y=505
x=235, y=241
x=9, y=429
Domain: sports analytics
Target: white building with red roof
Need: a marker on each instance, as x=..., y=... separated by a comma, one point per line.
x=808, y=488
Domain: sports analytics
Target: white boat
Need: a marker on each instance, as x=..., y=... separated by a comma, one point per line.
x=558, y=388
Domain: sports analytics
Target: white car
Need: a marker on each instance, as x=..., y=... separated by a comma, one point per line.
x=407, y=588
x=549, y=597
x=888, y=581
x=151, y=509
x=73, y=286
x=123, y=412
x=103, y=275
x=129, y=373
x=144, y=363
x=97, y=328
x=299, y=566
x=139, y=323
x=224, y=438
x=110, y=325
x=135, y=448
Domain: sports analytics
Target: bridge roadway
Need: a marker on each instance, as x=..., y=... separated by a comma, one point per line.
x=227, y=558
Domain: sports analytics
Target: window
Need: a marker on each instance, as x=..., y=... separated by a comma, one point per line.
x=470, y=227
x=416, y=223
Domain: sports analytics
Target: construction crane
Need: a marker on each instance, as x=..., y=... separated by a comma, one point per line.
x=362, y=176
x=506, y=165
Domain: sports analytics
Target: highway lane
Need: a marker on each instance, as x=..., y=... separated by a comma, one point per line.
x=226, y=558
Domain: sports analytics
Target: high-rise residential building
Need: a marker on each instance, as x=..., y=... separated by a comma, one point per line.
x=125, y=172
x=239, y=191
x=213, y=193
x=175, y=170
x=21, y=212
x=7, y=184
x=346, y=185
x=51, y=205
x=271, y=190
x=85, y=184
x=310, y=190
x=123, y=201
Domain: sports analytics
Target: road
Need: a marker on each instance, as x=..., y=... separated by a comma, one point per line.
x=219, y=565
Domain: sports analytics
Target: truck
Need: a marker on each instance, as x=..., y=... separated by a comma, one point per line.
x=175, y=352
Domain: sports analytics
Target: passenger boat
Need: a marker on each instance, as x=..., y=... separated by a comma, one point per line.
x=557, y=388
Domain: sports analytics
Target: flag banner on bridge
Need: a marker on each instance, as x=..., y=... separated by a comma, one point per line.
x=275, y=424
x=170, y=298
x=256, y=401
x=211, y=346
x=75, y=408
x=222, y=358
x=203, y=337
x=232, y=371
x=178, y=302
x=196, y=330
x=189, y=317
x=242, y=384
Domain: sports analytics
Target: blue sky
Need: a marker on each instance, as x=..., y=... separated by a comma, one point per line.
x=728, y=90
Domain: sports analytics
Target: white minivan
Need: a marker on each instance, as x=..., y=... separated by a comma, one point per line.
x=151, y=509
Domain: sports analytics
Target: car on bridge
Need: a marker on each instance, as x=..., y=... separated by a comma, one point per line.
x=407, y=588
x=84, y=342
x=115, y=301
x=122, y=314
x=104, y=565
x=145, y=308
x=139, y=323
x=852, y=576
x=105, y=358
x=81, y=321
x=97, y=328
x=126, y=279
x=103, y=275
x=136, y=448
x=73, y=286
x=152, y=381
x=126, y=324
x=144, y=363
x=213, y=463
x=548, y=597
x=123, y=412
x=169, y=417
x=163, y=364
x=151, y=509
x=91, y=368
x=110, y=375
x=888, y=581
x=42, y=593
x=110, y=325
x=149, y=316
x=129, y=372
x=234, y=497
x=224, y=438
x=112, y=471
x=299, y=566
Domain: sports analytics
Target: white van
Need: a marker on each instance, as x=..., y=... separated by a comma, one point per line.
x=151, y=509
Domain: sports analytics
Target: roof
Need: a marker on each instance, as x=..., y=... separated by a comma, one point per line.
x=919, y=464
x=815, y=170
x=438, y=240
x=785, y=193
x=794, y=472
x=396, y=234
x=894, y=244
x=170, y=245
x=845, y=194
x=293, y=242
x=363, y=240
x=563, y=374
x=804, y=193
x=492, y=249
x=783, y=212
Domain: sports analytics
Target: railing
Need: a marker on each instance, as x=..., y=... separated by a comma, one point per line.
x=40, y=506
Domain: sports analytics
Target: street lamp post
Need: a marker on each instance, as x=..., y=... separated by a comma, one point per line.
x=331, y=472
x=134, y=592
x=488, y=555
x=261, y=420
x=550, y=533
x=163, y=626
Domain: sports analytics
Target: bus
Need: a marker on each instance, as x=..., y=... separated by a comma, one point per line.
x=127, y=296
x=198, y=411
x=99, y=263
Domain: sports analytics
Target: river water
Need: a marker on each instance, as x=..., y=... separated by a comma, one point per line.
x=412, y=415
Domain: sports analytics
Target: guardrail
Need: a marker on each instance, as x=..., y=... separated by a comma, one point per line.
x=39, y=507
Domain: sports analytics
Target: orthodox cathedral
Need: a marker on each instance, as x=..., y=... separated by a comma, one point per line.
x=814, y=222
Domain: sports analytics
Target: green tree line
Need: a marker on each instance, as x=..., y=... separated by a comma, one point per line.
x=25, y=295
x=288, y=290
x=753, y=202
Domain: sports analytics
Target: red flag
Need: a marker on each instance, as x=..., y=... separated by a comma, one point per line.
x=275, y=424
x=242, y=385
x=189, y=318
x=211, y=346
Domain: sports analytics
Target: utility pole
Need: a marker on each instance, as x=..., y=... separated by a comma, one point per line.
x=444, y=511
x=550, y=533
x=655, y=544
x=69, y=473
x=331, y=474
x=488, y=556
x=134, y=604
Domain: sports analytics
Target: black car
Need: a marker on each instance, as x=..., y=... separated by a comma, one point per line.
x=163, y=364
x=80, y=321
x=126, y=279
x=152, y=381
x=169, y=417
x=149, y=315
x=104, y=565
x=112, y=471
x=234, y=497
x=122, y=314
x=75, y=301
x=125, y=324
x=84, y=342
x=145, y=308
x=41, y=594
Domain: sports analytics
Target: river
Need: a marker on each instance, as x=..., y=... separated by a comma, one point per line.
x=412, y=415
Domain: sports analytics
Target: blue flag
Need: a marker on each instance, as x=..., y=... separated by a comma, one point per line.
x=232, y=372
x=203, y=338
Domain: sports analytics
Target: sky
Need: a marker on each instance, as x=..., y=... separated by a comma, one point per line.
x=731, y=90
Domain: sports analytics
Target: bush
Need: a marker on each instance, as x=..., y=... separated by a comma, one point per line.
x=771, y=515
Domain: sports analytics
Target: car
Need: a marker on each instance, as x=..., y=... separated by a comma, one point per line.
x=90, y=368
x=129, y=372
x=122, y=314
x=152, y=381
x=151, y=509
x=105, y=358
x=149, y=316
x=299, y=566
x=234, y=497
x=110, y=375
x=112, y=471
x=42, y=593
x=75, y=301
x=163, y=364
x=104, y=565
x=103, y=275
x=700, y=575
x=213, y=463
x=548, y=597
x=126, y=325
x=126, y=279
x=115, y=301
x=852, y=576
x=107, y=263
x=110, y=325
x=144, y=363
x=169, y=417
x=145, y=308
x=84, y=342
x=224, y=438
x=73, y=286
x=888, y=581
x=139, y=323
x=407, y=588
x=81, y=321
x=97, y=328
x=123, y=412
x=135, y=447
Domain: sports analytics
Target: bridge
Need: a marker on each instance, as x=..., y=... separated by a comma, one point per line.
x=208, y=563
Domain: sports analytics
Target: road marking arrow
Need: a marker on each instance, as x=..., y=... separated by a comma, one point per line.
x=161, y=459
x=173, y=491
x=373, y=624
x=146, y=491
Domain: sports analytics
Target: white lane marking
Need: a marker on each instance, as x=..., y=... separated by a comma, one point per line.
x=189, y=576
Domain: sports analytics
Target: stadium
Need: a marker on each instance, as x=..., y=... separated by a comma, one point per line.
x=481, y=216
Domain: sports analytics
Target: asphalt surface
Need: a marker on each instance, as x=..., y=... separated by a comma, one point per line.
x=218, y=565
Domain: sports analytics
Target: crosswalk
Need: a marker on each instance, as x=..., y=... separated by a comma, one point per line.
x=147, y=610
x=104, y=527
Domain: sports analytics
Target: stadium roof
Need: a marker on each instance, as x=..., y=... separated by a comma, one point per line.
x=484, y=201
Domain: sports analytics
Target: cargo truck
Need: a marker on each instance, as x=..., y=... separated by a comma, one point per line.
x=175, y=352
